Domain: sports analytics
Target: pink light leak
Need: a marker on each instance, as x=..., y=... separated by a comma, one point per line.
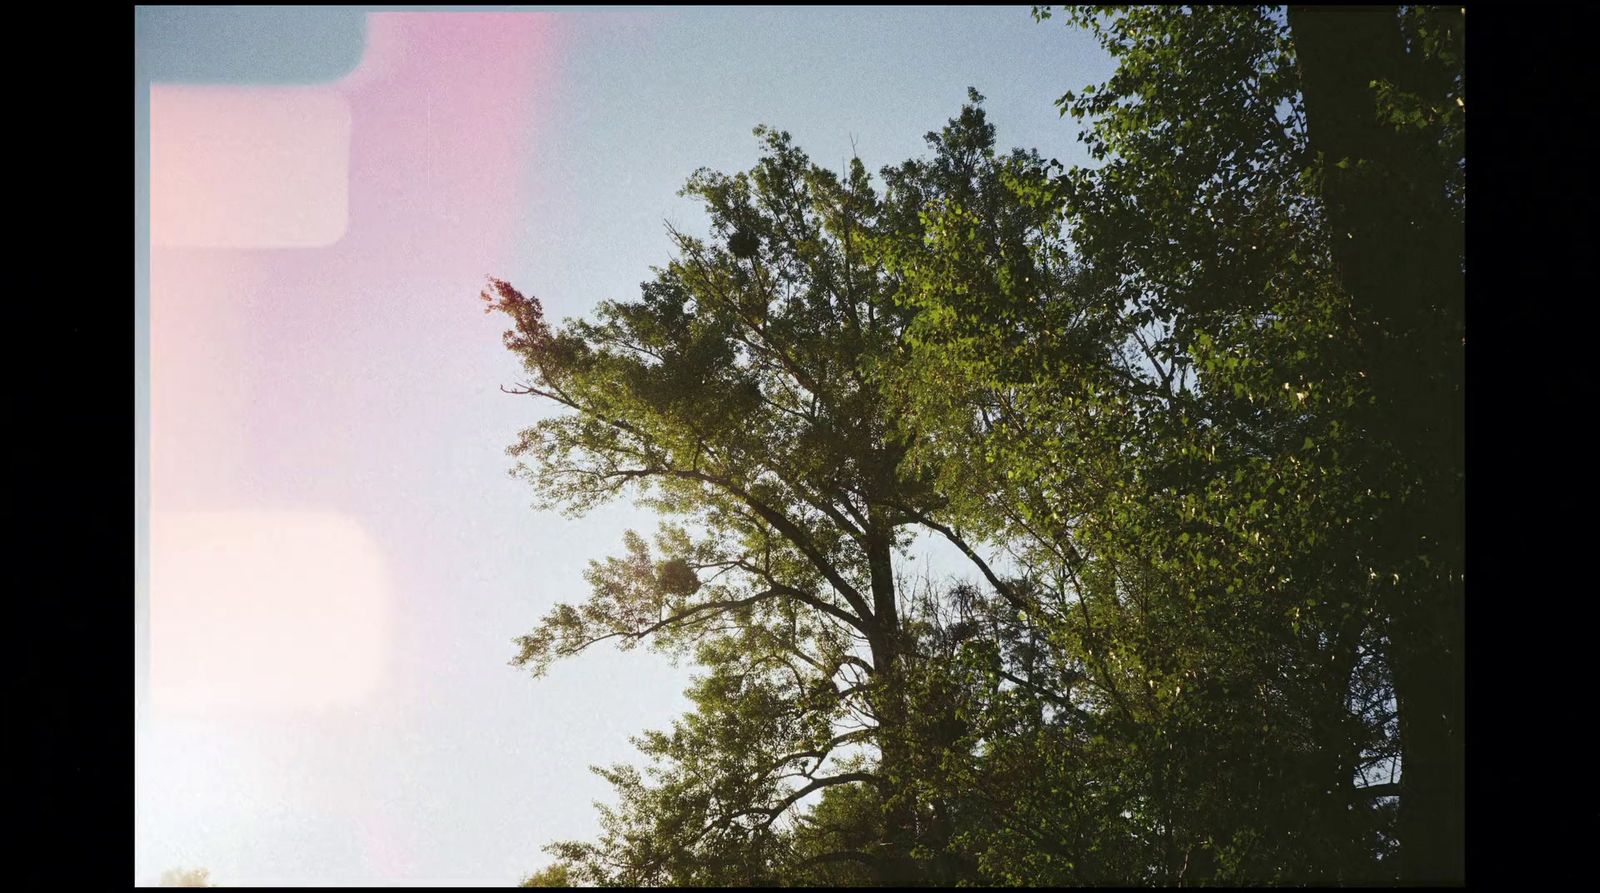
x=290, y=382
x=263, y=168
x=273, y=370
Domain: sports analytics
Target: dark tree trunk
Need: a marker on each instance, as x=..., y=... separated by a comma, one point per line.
x=897, y=868
x=1398, y=245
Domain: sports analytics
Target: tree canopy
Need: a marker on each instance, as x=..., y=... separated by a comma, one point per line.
x=1192, y=414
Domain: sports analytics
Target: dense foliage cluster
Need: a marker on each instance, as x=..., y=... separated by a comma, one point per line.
x=1193, y=414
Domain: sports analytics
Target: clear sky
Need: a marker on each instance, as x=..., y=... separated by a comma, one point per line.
x=333, y=560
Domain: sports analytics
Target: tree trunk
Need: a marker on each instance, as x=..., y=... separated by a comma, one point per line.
x=1398, y=244
x=899, y=816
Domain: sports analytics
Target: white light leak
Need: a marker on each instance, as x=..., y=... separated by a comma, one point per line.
x=264, y=610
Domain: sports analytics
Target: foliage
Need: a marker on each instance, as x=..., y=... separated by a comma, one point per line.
x=740, y=394
x=557, y=874
x=1203, y=398
x=1236, y=467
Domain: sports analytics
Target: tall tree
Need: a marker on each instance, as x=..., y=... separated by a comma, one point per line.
x=1385, y=97
x=1219, y=445
x=741, y=392
x=1279, y=203
x=1202, y=719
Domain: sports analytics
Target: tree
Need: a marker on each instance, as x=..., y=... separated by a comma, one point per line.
x=1201, y=697
x=1385, y=92
x=1356, y=117
x=1218, y=446
x=1274, y=434
x=557, y=874
x=742, y=393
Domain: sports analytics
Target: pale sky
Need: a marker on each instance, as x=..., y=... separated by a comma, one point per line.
x=332, y=558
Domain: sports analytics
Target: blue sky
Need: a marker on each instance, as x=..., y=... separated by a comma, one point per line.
x=457, y=769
